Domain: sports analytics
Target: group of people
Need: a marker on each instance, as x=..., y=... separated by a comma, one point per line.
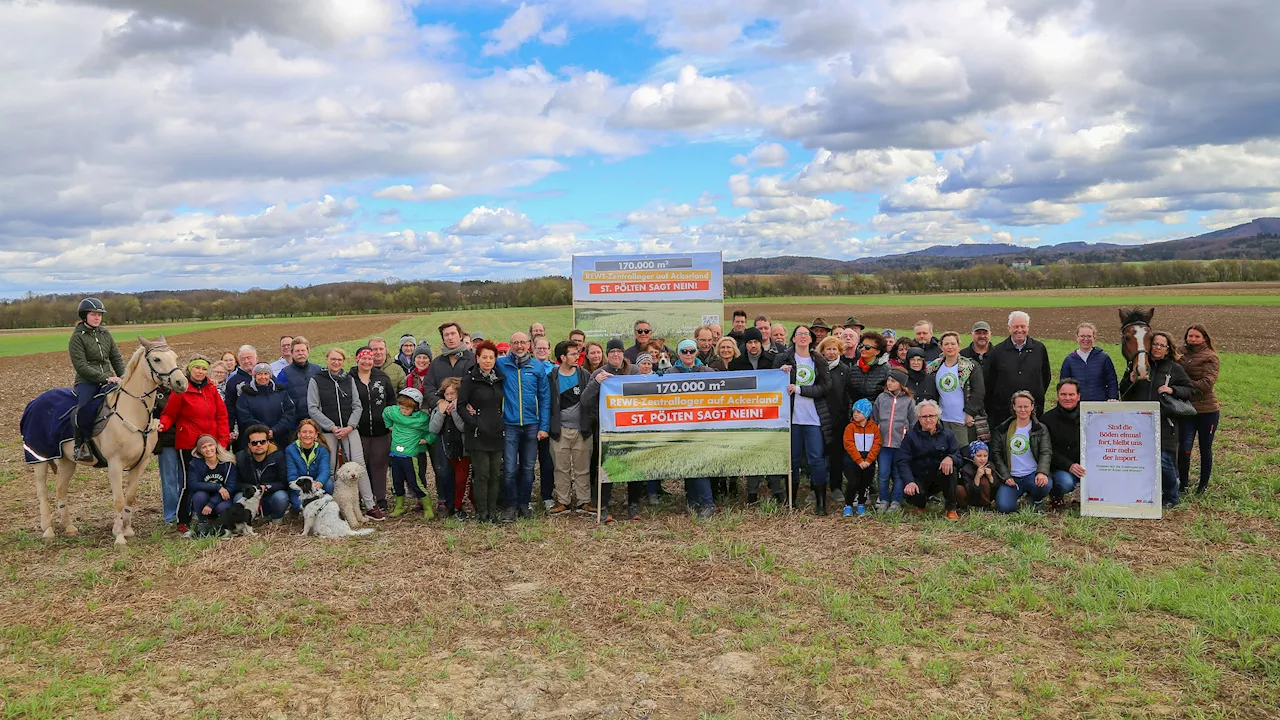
x=874, y=416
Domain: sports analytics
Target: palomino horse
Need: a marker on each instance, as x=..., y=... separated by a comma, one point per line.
x=126, y=441
x=1135, y=337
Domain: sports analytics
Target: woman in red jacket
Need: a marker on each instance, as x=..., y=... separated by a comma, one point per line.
x=198, y=411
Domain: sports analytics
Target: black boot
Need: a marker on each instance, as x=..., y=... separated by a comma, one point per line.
x=751, y=498
x=820, y=501
x=1202, y=487
x=82, y=453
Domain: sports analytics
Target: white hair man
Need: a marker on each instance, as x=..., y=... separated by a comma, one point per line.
x=1019, y=363
x=928, y=460
x=246, y=358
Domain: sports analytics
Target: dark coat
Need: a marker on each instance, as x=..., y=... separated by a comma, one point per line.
x=766, y=361
x=231, y=393
x=1041, y=447
x=296, y=380
x=817, y=391
x=553, y=379
x=442, y=368
x=865, y=385
x=272, y=472
x=94, y=354
x=1064, y=433
x=920, y=453
x=1148, y=390
x=837, y=401
x=375, y=397
x=1010, y=370
x=269, y=405
x=484, y=419
x=1097, y=377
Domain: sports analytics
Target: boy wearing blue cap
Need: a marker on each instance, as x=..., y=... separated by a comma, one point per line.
x=862, y=442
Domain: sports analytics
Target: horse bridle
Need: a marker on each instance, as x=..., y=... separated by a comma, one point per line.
x=147, y=399
x=1141, y=350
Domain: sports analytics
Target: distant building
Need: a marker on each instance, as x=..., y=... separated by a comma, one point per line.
x=1020, y=264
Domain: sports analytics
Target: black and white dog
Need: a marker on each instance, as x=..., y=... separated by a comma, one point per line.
x=320, y=514
x=238, y=519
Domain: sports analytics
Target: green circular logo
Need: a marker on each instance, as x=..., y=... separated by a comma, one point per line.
x=1020, y=445
x=804, y=375
x=948, y=383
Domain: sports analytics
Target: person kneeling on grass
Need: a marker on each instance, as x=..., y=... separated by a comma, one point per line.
x=977, y=477
x=862, y=442
x=928, y=460
x=260, y=465
x=1063, y=421
x=308, y=457
x=1022, y=452
x=410, y=435
x=211, y=482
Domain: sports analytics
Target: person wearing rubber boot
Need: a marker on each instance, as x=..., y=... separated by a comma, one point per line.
x=98, y=363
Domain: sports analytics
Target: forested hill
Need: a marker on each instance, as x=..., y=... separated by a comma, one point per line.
x=1255, y=240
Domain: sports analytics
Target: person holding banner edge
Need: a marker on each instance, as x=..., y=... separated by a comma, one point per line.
x=810, y=420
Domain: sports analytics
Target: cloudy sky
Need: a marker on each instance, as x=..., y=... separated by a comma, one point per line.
x=177, y=144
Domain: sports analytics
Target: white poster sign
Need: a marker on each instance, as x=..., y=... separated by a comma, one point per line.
x=1120, y=452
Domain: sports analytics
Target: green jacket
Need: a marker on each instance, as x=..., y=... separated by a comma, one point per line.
x=396, y=373
x=407, y=431
x=1041, y=447
x=94, y=354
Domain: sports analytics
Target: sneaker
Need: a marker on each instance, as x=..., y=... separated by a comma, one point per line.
x=953, y=516
x=441, y=510
x=376, y=513
x=382, y=504
x=184, y=531
x=461, y=514
x=506, y=516
x=848, y=510
x=861, y=510
x=524, y=512
x=587, y=509
x=1057, y=503
x=894, y=507
x=606, y=518
x=1037, y=506
x=882, y=506
x=633, y=509
x=399, y=508
x=917, y=510
x=557, y=509
x=706, y=511
x=548, y=504
x=655, y=500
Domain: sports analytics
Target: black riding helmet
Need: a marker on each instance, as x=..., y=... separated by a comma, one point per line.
x=88, y=305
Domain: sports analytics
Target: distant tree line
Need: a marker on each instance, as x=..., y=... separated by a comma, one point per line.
x=395, y=296
x=992, y=277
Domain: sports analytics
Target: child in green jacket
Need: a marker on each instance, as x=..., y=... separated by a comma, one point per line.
x=410, y=436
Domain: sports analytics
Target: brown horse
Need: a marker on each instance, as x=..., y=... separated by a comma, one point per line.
x=1135, y=338
x=126, y=441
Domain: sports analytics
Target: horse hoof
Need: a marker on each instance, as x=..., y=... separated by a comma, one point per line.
x=128, y=532
x=120, y=541
x=48, y=534
x=70, y=530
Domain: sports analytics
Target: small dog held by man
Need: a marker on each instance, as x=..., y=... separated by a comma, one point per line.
x=238, y=519
x=320, y=514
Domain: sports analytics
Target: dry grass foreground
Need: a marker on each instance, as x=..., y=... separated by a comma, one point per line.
x=750, y=615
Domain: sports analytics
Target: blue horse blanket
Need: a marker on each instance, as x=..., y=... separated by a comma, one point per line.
x=47, y=422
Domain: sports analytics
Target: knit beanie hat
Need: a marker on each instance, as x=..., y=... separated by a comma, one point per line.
x=408, y=339
x=752, y=333
x=614, y=344
x=261, y=367
x=863, y=406
x=643, y=358
x=686, y=345
x=977, y=445
x=914, y=352
x=422, y=349
x=898, y=375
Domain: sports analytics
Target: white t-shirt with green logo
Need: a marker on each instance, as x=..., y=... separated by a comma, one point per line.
x=950, y=393
x=804, y=411
x=1021, y=462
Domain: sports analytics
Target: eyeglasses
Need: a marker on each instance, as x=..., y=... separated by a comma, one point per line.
x=643, y=331
x=928, y=417
x=257, y=442
x=688, y=352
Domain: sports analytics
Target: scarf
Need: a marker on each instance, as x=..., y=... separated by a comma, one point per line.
x=833, y=364
x=520, y=358
x=863, y=366
x=491, y=376
x=446, y=352
x=198, y=385
x=418, y=377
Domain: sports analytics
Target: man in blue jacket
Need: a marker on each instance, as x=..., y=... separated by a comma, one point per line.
x=296, y=377
x=1091, y=368
x=526, y=413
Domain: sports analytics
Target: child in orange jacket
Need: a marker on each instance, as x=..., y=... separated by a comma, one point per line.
x=862, y=442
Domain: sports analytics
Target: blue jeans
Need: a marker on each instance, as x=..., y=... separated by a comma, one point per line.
x=697, y=492
x=274, y=503
x=84, y=395
x=886, y=471
x=1063, y=483
x=173, y=478
x=1169, y=478
x=518, y=456
x=1007, y=496
x=807, y=444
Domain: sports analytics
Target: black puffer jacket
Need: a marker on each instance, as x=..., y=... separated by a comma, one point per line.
x=1161, y=371
x=865, y=385
x=374, y=398
x=837, y=401
x=484, y=396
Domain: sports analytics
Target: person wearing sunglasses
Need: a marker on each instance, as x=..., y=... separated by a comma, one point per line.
x=260, y=464
x=643, y=331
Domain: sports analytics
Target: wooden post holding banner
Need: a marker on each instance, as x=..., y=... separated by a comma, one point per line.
x=1120, y=452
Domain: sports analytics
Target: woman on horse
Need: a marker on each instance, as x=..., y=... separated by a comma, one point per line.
x=97, y=362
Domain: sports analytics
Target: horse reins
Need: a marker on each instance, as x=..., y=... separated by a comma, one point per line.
x=148, y=400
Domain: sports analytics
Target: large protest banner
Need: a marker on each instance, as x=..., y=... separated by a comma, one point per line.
x=674, y=293
x=688, y=425
x=1120, y=452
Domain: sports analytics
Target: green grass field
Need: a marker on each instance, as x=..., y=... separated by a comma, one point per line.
x=602, y=321
x=631, y=457
x=17, y=342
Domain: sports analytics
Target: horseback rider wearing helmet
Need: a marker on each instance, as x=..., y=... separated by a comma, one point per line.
x=97, y=362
